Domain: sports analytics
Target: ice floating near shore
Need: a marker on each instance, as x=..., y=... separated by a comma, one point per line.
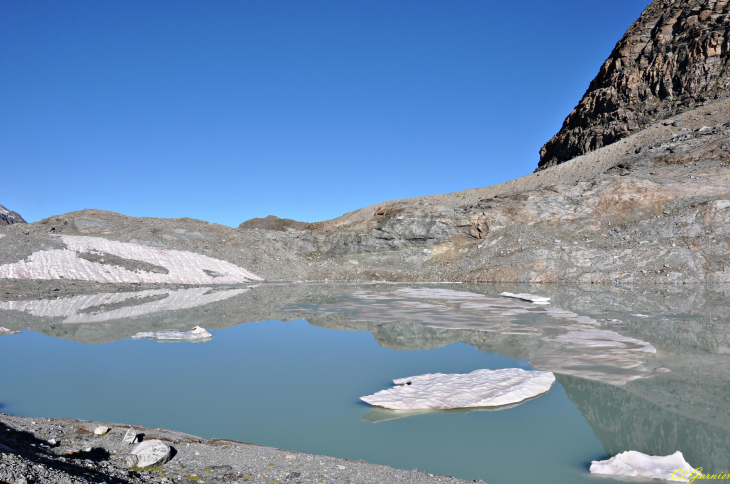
x=183, y=267
x=527, y=297
x=7, y=331
x=480, y=388
x=635, y=464
x=195, y=334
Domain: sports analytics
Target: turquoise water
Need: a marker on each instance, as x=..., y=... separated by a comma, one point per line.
x=296, y=385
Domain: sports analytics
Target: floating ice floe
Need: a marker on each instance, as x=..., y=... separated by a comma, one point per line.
x=195, y=334
x=7, y=331
x=183, y=267
x=635, y=464
x=527, y=297
x=480, y=388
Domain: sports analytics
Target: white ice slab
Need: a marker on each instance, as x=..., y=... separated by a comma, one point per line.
x=195, y=334
x=480, y=388
x=635, y=464
x=7, y=331
x=183, y=267
x=527, y=297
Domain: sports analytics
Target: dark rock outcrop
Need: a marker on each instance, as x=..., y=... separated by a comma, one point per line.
x=671, y=60
x=8, y=217
x=272, y=222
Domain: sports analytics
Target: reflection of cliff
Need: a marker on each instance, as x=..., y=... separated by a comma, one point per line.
x=623, y=419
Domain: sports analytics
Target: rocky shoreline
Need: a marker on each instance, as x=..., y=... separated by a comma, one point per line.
x=59, y=450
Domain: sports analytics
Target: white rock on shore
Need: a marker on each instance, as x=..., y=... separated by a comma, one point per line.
x=151, y=453
x=635, y=464
x=480, y=388
x=195, y=334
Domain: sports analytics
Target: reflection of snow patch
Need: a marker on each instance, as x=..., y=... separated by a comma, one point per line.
x=183, y=267
x=527, y=297
x=91, y=308
x=195, y=334
x=480, y=388
x=635, y=464
x=601, y=338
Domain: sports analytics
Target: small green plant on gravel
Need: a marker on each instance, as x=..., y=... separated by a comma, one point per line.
x=193, y=478
x=148, y=469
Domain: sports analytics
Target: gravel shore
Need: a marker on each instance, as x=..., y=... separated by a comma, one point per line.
x=43, y=450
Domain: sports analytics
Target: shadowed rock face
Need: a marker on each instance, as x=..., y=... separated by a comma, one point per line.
x=672, y=59
x=272, y=222
x=8, y=217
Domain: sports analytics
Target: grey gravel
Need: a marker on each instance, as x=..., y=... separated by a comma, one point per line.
x=26, y=457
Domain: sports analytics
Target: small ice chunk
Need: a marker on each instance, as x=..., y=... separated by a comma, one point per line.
x=528, y=297
x=635, y=464
x=480, y=388
x=7, y=331
x=195, y=334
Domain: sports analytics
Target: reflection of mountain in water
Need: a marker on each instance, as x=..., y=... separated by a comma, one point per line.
x=651, y=417
x=562, y=340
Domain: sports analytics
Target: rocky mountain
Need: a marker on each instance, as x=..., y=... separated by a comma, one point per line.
x=8, y=217
x=671, y=60
x=272, y=222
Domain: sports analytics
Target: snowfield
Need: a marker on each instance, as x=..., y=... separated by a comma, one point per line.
x=183, y=267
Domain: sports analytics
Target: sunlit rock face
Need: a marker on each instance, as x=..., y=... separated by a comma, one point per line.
x=672, y=59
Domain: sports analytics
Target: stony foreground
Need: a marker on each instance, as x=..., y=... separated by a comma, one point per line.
x=42, y=450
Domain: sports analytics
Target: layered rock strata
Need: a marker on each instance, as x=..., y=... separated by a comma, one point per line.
x=671, y=60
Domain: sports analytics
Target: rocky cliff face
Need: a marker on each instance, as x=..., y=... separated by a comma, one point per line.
x=8, y=217
x=672, y=59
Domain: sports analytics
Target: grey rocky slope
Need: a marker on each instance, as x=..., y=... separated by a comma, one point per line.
x=8, y=217
x=53, y=451
x=671, y=60
x=272, y=222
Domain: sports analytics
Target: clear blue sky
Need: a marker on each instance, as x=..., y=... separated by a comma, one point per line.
x=229, y=110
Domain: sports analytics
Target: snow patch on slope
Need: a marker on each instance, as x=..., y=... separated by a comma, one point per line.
x=183, y=267
x=480, y=388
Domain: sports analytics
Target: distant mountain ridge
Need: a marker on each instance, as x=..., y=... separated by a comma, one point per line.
x=272, y=222
x=671, y=60
x=8, y=217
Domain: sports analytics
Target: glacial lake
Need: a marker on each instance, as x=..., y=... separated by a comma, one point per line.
x=637, y=368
